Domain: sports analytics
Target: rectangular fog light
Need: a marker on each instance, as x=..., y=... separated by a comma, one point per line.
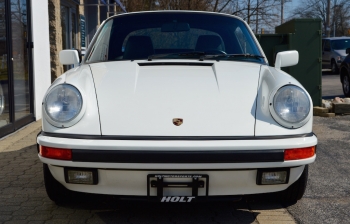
x=81, y=176
x=272, y=176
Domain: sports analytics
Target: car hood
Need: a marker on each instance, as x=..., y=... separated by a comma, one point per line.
x=340, y=52
x=143, y=99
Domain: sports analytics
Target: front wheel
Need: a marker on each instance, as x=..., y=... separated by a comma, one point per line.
x=296, y=191
x=56, y=191
x=345, y=80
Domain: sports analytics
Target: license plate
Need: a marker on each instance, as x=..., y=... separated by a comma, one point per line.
x=161, y=181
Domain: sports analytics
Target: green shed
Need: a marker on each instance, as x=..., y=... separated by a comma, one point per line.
x=305, y=36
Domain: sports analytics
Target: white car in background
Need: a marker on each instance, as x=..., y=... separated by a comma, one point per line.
x=176, y=106
x=333, y=52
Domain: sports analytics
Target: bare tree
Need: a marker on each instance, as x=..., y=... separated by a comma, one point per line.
x=341, y=19
x=139, y=5
x=198, y=5
x=339, y=14
x=145, y=5
x=257, y=13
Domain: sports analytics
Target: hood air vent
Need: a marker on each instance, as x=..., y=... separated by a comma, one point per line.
x=175, y=63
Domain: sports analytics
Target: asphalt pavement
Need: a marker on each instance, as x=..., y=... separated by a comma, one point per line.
x=331, y=85
x=327, y=197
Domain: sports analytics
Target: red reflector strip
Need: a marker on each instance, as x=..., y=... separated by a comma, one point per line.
x=55, y=153
x=299, y=153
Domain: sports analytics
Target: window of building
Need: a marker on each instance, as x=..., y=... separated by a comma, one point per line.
x=16, y=82
x=69, y=26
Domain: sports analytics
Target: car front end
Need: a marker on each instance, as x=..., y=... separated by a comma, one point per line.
x=339, y=59
x=339, y=46
x=177, y=126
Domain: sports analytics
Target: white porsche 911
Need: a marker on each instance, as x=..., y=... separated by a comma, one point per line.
x=176, y=106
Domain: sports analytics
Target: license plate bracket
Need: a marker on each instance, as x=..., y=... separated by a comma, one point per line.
x=160, y=184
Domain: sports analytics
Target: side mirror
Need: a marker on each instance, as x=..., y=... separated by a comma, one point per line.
x=347, y=51
x=80, y=55
x=286, y=58
x=69, y=57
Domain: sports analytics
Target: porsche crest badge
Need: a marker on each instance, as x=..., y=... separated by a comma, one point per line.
x=178, y=121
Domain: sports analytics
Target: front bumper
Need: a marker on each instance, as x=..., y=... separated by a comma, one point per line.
x=232, y=170
x=134, y=182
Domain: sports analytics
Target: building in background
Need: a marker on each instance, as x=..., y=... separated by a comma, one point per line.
x=73, y=24
x=64, y=30
x=24, y=62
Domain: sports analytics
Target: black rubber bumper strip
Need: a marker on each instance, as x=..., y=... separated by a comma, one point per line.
x=140, y=156
x=172, y=138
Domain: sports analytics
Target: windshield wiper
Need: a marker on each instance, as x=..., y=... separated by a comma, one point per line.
x=202, y=55
x=230, y=56
x=180, y=54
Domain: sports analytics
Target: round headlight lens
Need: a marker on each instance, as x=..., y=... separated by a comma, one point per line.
x=63, y=103
x=291, y=104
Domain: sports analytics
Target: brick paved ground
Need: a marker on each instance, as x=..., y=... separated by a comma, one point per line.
x=23, y=198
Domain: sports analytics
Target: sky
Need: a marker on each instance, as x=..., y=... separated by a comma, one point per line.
x=290, y=6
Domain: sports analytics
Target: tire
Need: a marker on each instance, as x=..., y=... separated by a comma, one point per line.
x=345, y=80
x=334, y=67
x=296, y=191
x=56, y=191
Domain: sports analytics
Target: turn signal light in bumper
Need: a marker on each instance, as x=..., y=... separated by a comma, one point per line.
x=55, y=153
x=299, y=153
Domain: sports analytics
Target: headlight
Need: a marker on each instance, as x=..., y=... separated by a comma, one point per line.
x=290, y=106
x=63, y=105
x=341, y=58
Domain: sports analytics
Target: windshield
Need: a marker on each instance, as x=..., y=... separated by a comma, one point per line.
x=341, y=44
x=173, y=35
